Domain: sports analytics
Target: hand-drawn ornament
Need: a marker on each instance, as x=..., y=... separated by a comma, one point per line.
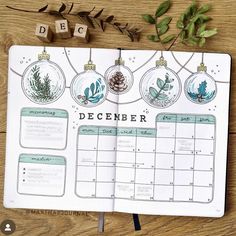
x=89, y=88
x=160, y=86
x=43, y=81
x=200, y=87
x=119, y=77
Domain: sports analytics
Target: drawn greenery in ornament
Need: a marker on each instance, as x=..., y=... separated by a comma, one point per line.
x=93, y=93
x=202, y=93
x=164, y=86
x=41, y=87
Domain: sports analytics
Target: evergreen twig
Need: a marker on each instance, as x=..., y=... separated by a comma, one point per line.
x=41, y=87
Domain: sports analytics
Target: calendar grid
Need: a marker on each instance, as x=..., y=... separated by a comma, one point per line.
x=142, y=160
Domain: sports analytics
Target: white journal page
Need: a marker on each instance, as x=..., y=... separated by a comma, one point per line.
x=172, y=148
x=59, y=151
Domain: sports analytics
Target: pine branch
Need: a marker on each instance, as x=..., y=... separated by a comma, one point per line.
x=41, y=90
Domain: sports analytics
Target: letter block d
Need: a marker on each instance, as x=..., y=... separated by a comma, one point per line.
x=44, y=33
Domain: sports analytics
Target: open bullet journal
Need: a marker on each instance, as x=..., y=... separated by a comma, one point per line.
x=137, y=131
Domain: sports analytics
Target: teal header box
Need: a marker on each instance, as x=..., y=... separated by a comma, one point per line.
x=44, y=112
x=42, y=159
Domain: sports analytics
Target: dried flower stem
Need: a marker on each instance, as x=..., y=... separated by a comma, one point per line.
x=85, y=16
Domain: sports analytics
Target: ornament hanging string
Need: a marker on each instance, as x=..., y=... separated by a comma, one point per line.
x=120, y=53
x=161, y=54
x=90, y=55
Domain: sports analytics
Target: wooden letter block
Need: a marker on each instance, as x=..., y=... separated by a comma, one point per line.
x=62, y=29
x=81, y=31
x=44, y=33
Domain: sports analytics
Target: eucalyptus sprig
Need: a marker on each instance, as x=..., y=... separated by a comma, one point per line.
x=192, y=25
x=91, y=18
x=161, y=25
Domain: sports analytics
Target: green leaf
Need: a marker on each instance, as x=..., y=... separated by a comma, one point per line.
x=160, y=83
x=180, y=24
x=193, y=41
x=168, y=38
x=204, y=8
x=163, y=8
x=208, y=33
x=191, y=10
x=182, y=17
x=153, y=38
x=163, y=30
x=149, y=19
x=202, y=42
x=153, y=92
x=164, y=21
x=191, y=29
x=182, y=35
x=201, y=29
x=203, y=18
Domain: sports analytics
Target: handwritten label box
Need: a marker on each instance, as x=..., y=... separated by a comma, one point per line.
x=41, y=175
x=43, y=128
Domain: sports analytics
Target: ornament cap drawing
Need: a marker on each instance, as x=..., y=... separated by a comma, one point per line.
x=161, y=62
x=202, y=68
x=43, y=56
x=90, y=66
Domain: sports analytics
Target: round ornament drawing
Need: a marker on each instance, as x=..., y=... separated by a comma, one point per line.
x=89, y=88
x=119, y=77
x=160, y=86
x=43, y=81
x=200, y=87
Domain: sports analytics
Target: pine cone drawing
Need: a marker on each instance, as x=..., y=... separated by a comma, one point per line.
x=118, y=82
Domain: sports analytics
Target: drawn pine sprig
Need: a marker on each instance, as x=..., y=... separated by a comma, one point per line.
x=93, y=93
x=40, y=87
x=91, y=18
x=163, y=85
